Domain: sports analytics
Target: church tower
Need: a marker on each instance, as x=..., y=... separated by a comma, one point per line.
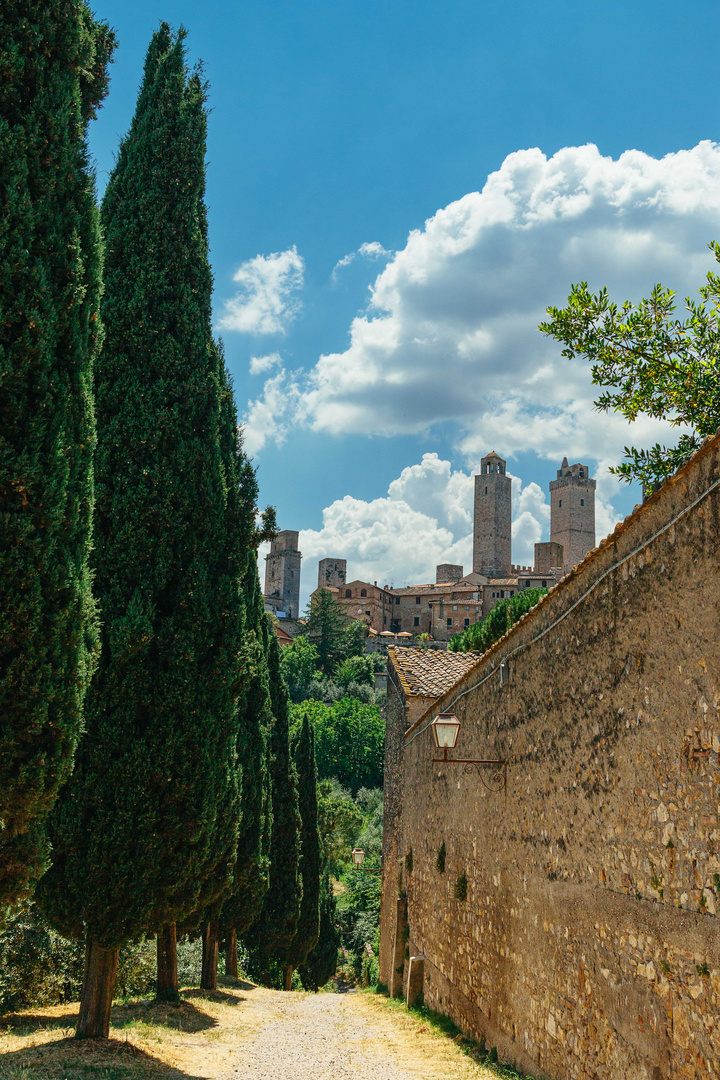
x=572, y=512
x=282, y=572
x=493, y=519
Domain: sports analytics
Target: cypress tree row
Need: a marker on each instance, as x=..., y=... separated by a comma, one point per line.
x=274, y=929
x=53, y=59
x=308, y=926
x=139, y=840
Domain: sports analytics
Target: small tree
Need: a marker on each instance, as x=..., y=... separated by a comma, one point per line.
x=321, y=963
x=481, y=635
x=308, y=926
x=299, y=665
x=355, y=669
x=653, y=363
x=333, y=634
x=53, y=59
x=349, y=741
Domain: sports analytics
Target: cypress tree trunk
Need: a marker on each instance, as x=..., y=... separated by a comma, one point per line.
x=167, y=976
x=53, y=61
x=97, y=991
x=208, y=978
x=231, y=954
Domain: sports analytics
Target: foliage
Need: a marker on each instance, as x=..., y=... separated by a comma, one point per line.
x=328, y=691
x=340, y=820
x=272, y=932
x=460, y=887
x=145, y=832
x=649, y=362
x=299, y=662
x=440, y=860
x=334, y=635
x=480, y=636
x=355, y=669
x=308, y=926
x=321, y=963
x=349, y=741
x=39, y=967
x=53, y=59
x=359, y=906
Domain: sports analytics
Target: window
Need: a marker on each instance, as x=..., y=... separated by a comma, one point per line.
x=417, y=599
x=512, y=592
x=449, y=622
x=397, y=599
x=582, y=502
x=486, y=490
x=544, y=584
x=454, y=607
x=368, y=615
x=560, y=503
x=467, y=623
x=292, y=573
x=348, y=593
x=416, y=620
x=384, y=620
x=581, y=473
x=363, y=592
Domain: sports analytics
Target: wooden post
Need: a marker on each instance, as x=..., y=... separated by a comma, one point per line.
x=231, y=955
x=97, y=991
x=167, y=976
x=208, y=979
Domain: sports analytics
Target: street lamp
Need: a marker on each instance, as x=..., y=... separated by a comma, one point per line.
x=445, y=729
x=357, y=857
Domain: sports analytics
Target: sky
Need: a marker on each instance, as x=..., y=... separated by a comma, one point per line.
x=397, y=190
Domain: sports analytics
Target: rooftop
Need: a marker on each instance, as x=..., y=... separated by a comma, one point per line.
x=426, y=673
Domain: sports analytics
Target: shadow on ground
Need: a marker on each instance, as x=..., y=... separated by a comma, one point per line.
x=214, y=995
x=181, y=1017
x=87, y=1059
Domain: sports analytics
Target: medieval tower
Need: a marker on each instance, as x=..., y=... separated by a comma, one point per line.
x=572, y=512
x=332, y=573
x=282, y=572
x=493, y=519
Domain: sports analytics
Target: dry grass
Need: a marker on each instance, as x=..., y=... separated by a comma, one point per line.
x=200, y=1039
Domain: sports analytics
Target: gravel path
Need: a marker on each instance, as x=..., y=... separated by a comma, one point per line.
x=315, y=1037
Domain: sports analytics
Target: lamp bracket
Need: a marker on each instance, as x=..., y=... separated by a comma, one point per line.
x=498, y=780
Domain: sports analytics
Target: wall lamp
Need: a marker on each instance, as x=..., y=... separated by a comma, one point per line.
x=445, y=729
x=357, y=857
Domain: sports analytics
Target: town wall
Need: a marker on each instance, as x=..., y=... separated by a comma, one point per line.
x=588, y=944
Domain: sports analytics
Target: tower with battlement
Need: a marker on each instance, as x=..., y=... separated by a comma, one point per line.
x=572, y=512
x=493, y=519
x=332, y=573
x=282, y=572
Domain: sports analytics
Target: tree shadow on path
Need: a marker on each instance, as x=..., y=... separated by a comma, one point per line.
x=86, y=1059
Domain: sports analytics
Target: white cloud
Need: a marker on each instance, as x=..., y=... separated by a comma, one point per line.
x=368, y=250
x=268, y=417
x=265, y=302
x=261, y=364
x=451, y=329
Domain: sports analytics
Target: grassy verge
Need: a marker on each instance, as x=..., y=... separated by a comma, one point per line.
x=443, y=1025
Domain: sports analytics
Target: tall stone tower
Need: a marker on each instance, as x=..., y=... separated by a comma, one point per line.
x=493, y=519
x=572, y=512
x=332, y=573
x=282, y=572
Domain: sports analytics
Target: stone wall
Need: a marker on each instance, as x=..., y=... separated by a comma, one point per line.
x=587, y=946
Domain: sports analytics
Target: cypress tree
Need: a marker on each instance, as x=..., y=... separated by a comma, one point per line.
x=245, y=902
x=136, y=829
x=321, y=963
x=53, y=59
x=274, y=929
x=308, y=926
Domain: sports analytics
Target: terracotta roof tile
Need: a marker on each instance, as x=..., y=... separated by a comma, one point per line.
x=426, y=673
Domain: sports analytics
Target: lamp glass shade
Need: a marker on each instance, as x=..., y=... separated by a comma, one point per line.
x=357, y=856
x=446, y=728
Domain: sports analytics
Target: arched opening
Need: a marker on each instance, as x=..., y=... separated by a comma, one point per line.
x=363, y=592
x=348, y=594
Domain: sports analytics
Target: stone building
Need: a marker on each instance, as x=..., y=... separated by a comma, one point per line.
x=492, y=529
x=456, y=600
x=563, y=904
x=282, y=574
x=572, y=513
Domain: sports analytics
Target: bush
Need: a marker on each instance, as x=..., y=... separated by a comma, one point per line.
x=480, y=636
x=355, y=669
x=349, y=740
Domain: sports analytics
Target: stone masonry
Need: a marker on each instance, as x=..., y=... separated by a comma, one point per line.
x=572, y=513
x=493, y=519
x=574, y=921
x=282, y=572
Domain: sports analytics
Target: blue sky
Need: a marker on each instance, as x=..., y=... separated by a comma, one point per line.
x=354, y=122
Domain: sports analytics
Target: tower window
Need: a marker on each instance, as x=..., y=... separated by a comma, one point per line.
x=417, y=599
x=416, y=620
x=363, y=592
x=582, y=502
x=581, y=473
x=486, y=489
x=348, y=593
x=560, y=503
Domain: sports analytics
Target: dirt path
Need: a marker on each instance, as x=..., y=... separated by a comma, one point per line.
x=316, y=1037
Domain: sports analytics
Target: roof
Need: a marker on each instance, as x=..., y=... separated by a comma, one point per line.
x=506, y=581
x=427, y=673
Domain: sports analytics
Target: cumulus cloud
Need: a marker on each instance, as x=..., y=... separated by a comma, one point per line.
x=450, y=333
x=269, y=416
x=265, y=303
x=369, y=250
x=260, y=364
